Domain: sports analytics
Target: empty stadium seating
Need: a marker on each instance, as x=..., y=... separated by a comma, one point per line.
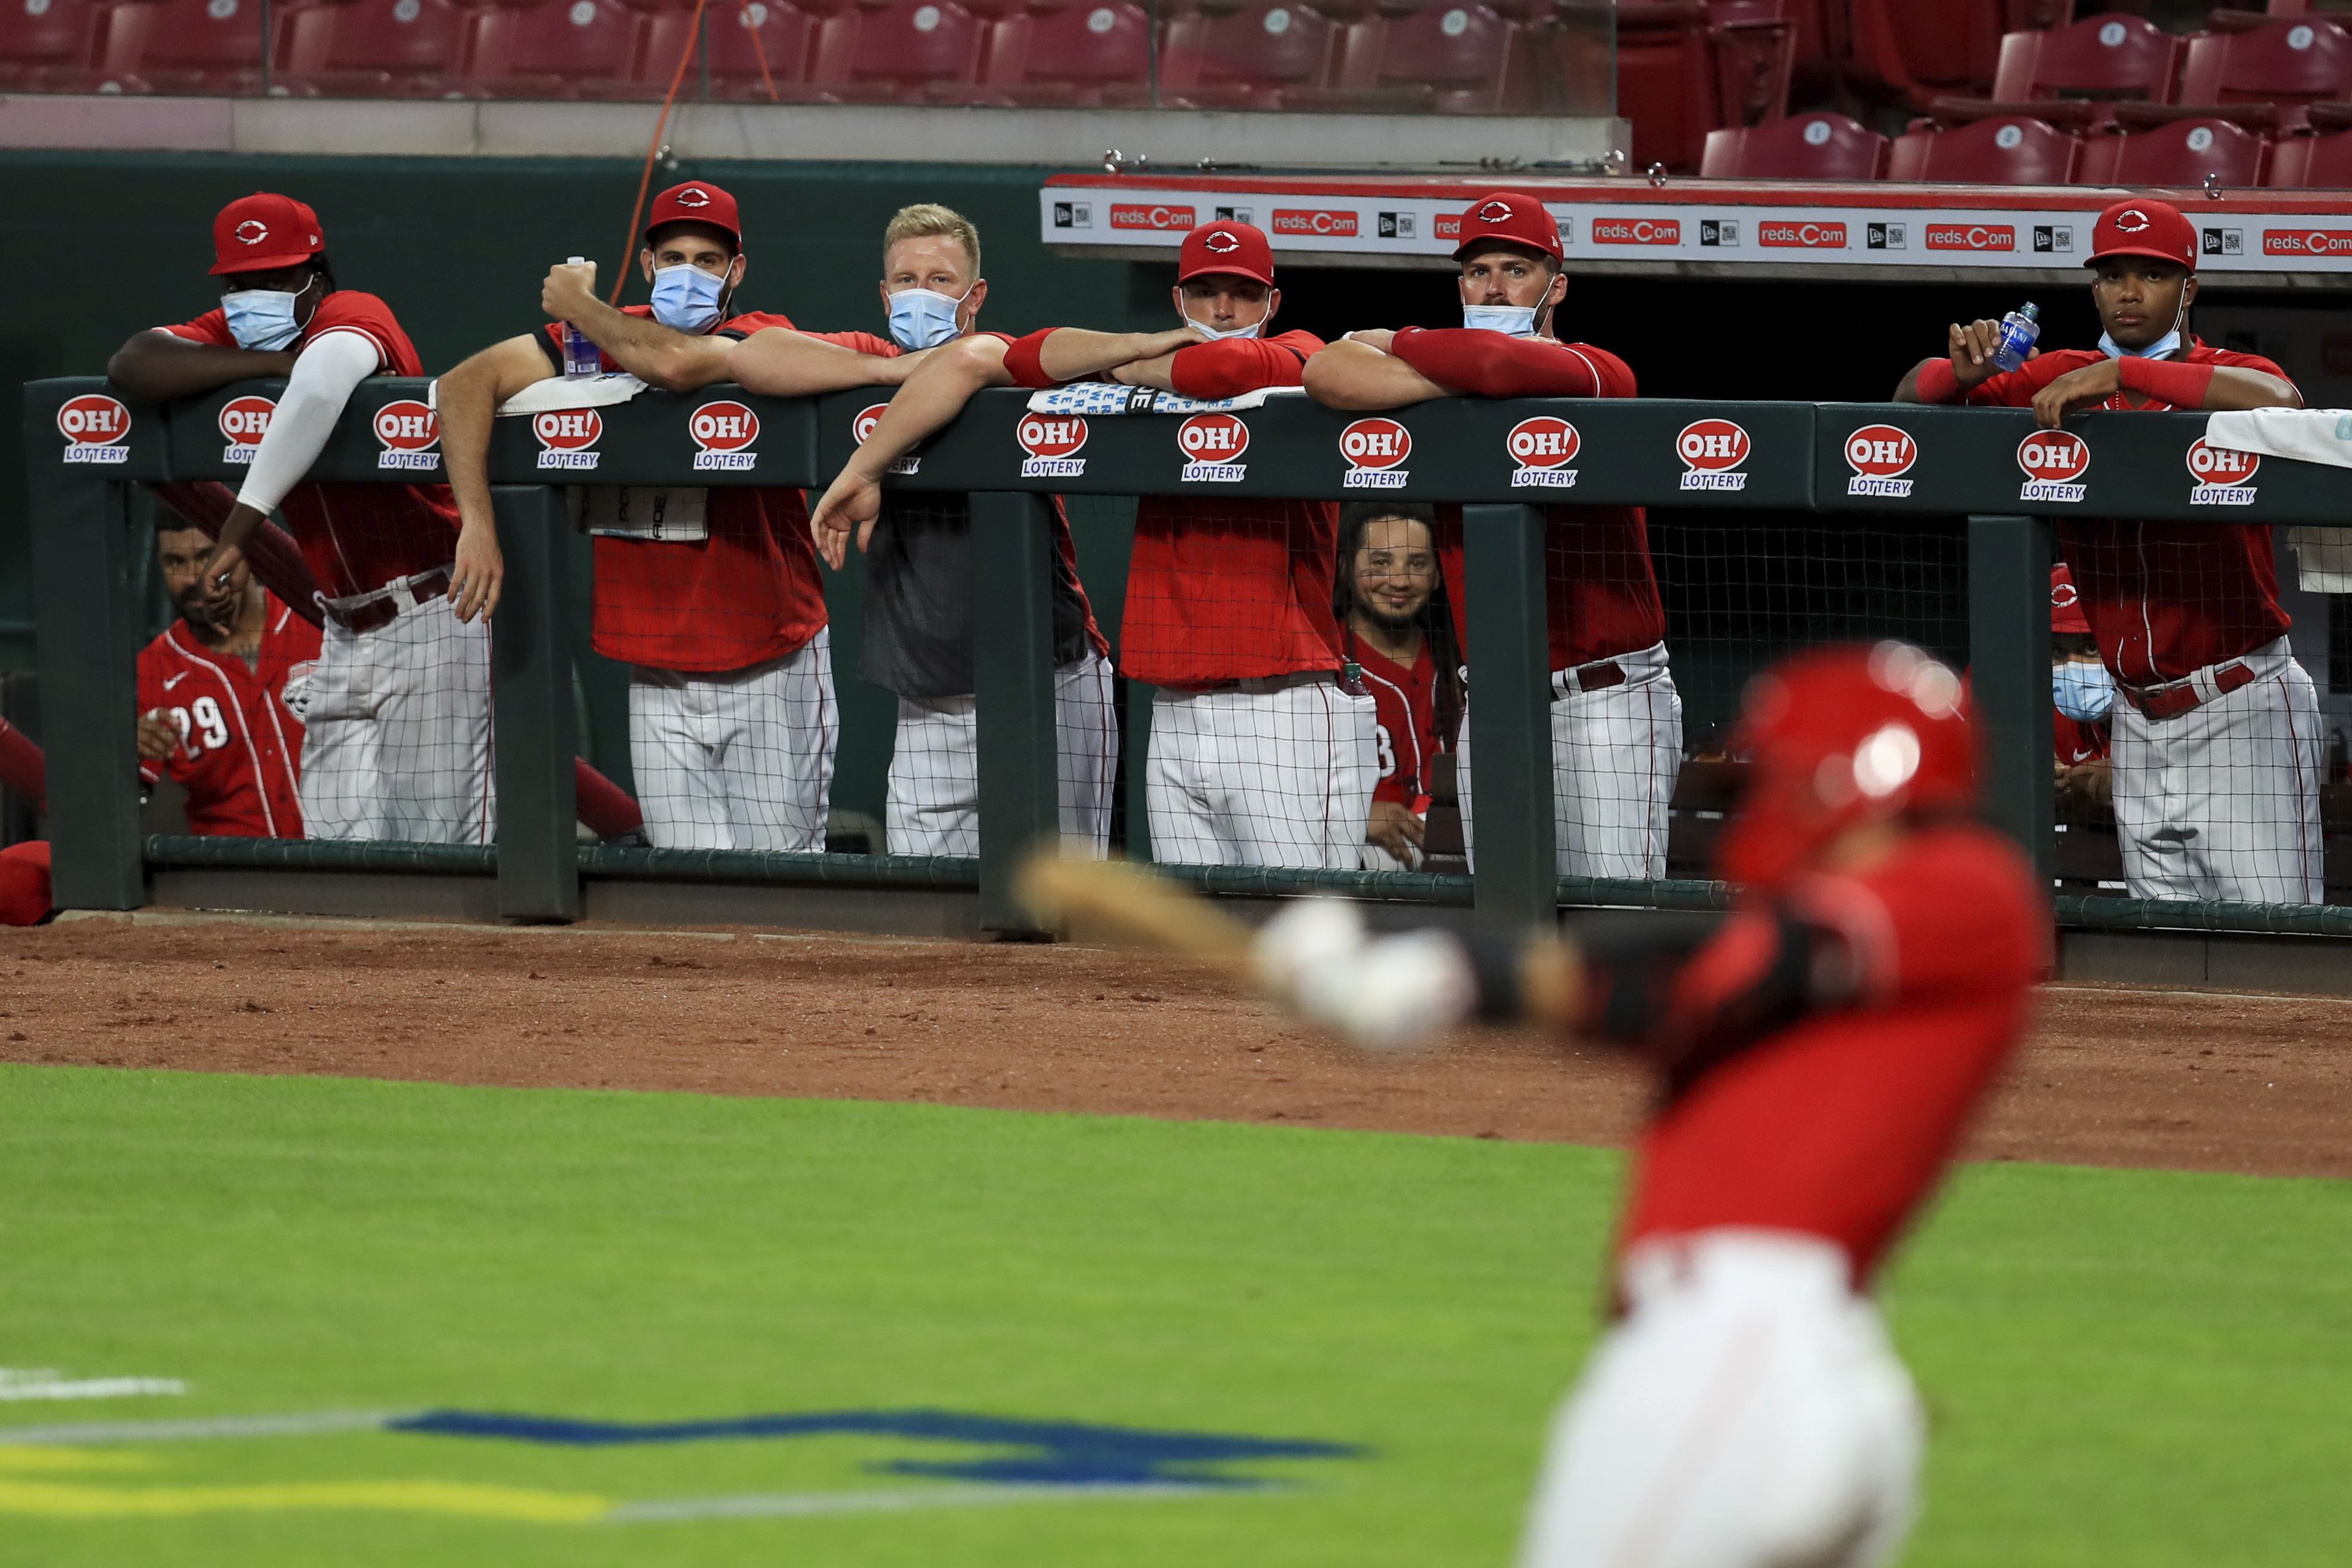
x=2008, y=151
x=50, y=46
x=2183, y=152
x=183, y=46
x=557, y=48
x=2074, y=75
x=898, y=53
x=1814, y=146
x=751, y=44
x=1088, y=54
x=1464, y=58
x=1916, y=50
x=2261, y=78
x=407, y=48
x=1246, y=58
x=1687, y=67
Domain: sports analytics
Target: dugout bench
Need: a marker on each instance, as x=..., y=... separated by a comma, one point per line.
x=1503, y=459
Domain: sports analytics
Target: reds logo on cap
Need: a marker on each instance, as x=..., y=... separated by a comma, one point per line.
x=1224, y=242
x=1516, y=218
x=1228, y=248
x=2140, y=226
x=1494, y=211
x=2131, y=220
x=252, y=231
x=693, y=196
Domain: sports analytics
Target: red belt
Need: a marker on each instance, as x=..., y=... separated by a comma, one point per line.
x=2172, y=701
x=383, y=607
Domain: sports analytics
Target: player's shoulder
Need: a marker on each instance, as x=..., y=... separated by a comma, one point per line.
x=352, y=308
x=2202, y=353
x=750, y=322
x=212, y=327
x=1615, y=377
x=863, y=343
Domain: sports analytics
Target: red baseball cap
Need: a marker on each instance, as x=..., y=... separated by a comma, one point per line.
x=2143, y=227
x=263, y=232
x=696, y=201
x=1508, y=215
x=2067, y=618
x=1226, y=246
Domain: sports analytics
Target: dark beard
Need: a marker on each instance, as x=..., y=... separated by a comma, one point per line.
x=198, y=614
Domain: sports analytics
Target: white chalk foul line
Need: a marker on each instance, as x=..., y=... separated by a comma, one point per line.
x=213, y=1427
x=35, y=1385
x=800, y=1504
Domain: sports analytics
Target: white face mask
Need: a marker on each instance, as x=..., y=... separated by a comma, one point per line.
x=1513, y=320
x=1214, y=336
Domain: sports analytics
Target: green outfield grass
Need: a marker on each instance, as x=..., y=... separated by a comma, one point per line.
x=2125, y=1368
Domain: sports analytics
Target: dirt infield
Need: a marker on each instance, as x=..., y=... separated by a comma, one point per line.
x=2113, y=1077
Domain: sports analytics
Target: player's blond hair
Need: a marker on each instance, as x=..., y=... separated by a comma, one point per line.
x=926, y=219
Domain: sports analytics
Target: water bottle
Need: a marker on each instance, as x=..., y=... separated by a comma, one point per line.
x=580, y=357
x=2018, y=330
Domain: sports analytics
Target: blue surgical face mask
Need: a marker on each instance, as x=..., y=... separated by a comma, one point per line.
x=2164, y=345
x=1514, y=321
x=924, y=317
x=2082, y=690
x=686, y=298
x=261, y=317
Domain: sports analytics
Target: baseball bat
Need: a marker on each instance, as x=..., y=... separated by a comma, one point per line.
x=1133, y=904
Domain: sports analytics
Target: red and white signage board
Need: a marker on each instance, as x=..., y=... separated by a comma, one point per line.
x=1732, y=224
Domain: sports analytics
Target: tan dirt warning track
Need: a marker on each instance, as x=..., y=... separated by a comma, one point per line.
x=2169, y=1079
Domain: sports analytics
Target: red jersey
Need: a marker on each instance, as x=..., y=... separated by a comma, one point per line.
x=1837, y=1125
x=2164, y=599
x=240, y=750
x=746, y=592
x=2080, y=742
x=357, y=538
x=1230, y=589
x=1601, y=592
x=1406, y=724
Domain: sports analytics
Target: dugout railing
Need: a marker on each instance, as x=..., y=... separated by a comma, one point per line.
x=86, y=449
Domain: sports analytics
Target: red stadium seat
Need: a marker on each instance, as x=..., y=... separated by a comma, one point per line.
x=2014, y=152
x=2074, y=75
x=1810, y=146
x=2321, y=163
x=185, y=46
x=1919, y=49
x=2183, y=152
x=2260, y=78
x=50, y=46
x=1246, y=58
x=374, y=48
x=1085, y=55
x=1445, y=58
x=896, y=53
x=741, y=34
x=559, y=48
x=1687, y=67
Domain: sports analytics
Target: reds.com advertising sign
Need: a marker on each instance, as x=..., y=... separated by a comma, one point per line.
x=1629, y=225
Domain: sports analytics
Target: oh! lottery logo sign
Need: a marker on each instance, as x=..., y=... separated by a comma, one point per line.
x=1712, y=451
x=2054, y=462
x=96, y=428
x=1543, y=447
x=1375, y=449
x=407, y=431
x=1051, y=442
x=568, y=436
x=1213, y=445
x=1880, y=454
x=724, y=431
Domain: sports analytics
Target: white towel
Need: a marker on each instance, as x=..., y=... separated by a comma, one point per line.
x=559, y=392
x=2308, y=434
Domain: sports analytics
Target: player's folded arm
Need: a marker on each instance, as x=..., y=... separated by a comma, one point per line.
x=1361, y=378
x=158, y=365
x=1494, y=365
x=781, y=361
x=1233, y=366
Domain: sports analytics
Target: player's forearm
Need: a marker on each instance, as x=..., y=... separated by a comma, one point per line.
x=1358, y=376
x=1492, y=365
x=2235, y=387
x=1073, y=353
x=466, y=402
x=1230, y=367
x=657, y=355
x=157, y=366
x=782, y=362
x=931, y=397
x=321, y=384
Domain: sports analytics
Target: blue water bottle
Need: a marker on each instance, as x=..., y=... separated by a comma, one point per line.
x=582, y=358
x=2018, y=330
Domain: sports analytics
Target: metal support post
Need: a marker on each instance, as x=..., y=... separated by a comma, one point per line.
x=1517, y=882
x=88, y=646
x=531, y=676
x=1013, y=686
x=2009, y=656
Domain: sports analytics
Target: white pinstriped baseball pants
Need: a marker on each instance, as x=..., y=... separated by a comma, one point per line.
x=1615, y=755
x=1746, y=1414
x=1269, y=772
x=398, y=743
x=741, y=760
x=933, y=804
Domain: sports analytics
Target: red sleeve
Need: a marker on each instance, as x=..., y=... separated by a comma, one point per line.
x=1023, y=362
x=863, y=343
x=1494, y=365
x=2166, y=381
x=750, y=322
x=1231, y=367
x=212, y=327
x=350, y=311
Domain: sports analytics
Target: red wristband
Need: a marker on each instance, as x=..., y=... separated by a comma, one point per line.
x=1936, y=384
x=1023, y=362
x=2166, y=381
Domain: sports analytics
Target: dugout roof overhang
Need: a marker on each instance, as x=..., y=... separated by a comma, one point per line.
x=1875, y=232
